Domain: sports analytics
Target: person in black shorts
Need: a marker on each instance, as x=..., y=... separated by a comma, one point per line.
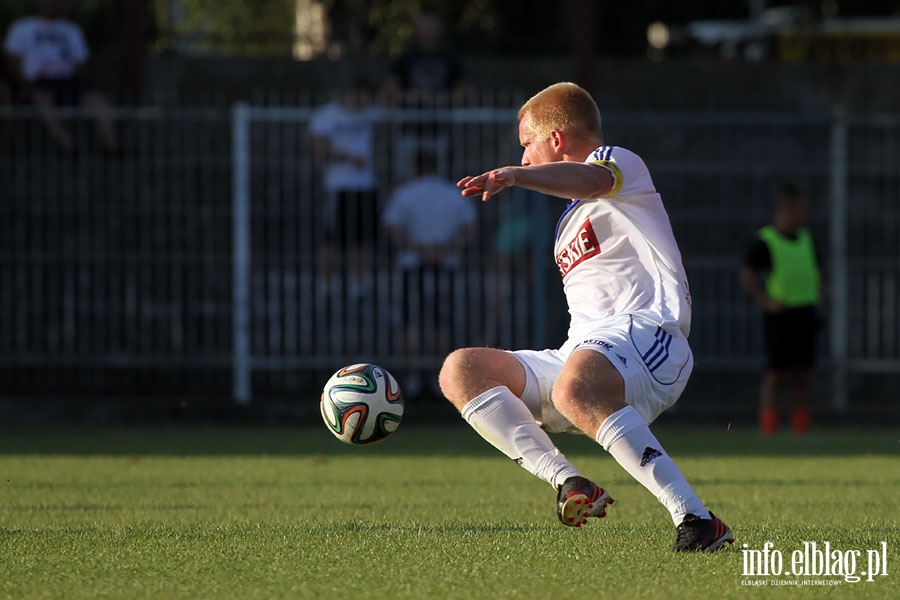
x=430, y=226
x=45, y=57
x=352, y=226
x=781, y=273
x=342, y=134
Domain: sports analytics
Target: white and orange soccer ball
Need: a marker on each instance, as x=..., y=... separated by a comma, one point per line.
x=361, y=404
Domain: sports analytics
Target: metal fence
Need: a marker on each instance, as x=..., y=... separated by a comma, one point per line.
x=188, y=261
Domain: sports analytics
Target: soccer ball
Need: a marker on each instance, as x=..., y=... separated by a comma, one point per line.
x=361, y=404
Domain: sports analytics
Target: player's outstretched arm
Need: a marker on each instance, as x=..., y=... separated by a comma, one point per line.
x=563, y=179
x=487, y=184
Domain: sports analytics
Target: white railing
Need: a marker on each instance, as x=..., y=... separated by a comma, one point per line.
x=196, y=246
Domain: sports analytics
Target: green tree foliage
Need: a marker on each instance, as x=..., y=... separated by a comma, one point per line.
x=260, y=27
x=384, y=27
x=267, y=27
x=391, y=22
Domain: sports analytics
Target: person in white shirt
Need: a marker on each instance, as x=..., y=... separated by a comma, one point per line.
x=429, y=225
x=627, y=357
x=343, y=139
x=46, y=57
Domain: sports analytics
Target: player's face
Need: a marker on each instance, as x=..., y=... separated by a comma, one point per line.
x=536, y=151
x=801, y=213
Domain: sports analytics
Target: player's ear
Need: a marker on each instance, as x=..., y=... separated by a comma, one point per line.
x=558, y=140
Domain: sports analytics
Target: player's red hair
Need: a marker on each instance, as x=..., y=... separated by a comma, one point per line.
x=566, y=107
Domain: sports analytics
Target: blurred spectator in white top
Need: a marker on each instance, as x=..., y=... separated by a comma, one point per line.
x=430, y=224
x=343, y=138
x=46, y=56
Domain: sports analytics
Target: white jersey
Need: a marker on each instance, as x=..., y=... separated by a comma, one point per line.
x=430, y=211
x=350, y=131
x=617, y=254
x=48, y=49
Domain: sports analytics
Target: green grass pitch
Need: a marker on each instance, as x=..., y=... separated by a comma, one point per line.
x=433, y=512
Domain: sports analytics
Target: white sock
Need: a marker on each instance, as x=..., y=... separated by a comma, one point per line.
x=626, y=436
x=501, y=418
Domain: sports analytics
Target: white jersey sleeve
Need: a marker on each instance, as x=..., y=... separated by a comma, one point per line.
x=617, y=254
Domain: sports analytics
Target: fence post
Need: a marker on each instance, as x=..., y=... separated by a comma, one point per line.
x=838, y=285
x=240, y=195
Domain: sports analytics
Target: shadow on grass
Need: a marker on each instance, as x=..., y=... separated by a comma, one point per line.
x=412, y=440
x=444, y=528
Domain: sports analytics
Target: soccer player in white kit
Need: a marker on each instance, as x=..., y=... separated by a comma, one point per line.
x=626, y=359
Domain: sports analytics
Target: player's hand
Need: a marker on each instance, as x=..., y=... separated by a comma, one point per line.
x=487, y=184
x=772, y=306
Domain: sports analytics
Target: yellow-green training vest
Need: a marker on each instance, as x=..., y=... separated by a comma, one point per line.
x=794, y=277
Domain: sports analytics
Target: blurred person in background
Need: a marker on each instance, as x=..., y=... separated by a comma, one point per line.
x=430, y=226
x=781, y=273
x=343, y=141
x=428, y=76
x=46, y=56
x=513, y=249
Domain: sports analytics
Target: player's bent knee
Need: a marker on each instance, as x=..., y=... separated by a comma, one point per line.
x=453, y=372
x=468, y=372
x=570, y=396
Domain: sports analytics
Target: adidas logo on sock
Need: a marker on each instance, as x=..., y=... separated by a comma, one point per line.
x=649, y=454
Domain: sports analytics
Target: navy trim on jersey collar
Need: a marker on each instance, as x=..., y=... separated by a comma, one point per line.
x=569, y=208
x=603, y=152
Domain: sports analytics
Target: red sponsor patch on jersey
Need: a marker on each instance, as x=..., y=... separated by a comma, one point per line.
x=583, y=246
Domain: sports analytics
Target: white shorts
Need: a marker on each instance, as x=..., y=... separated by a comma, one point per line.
x=655, y=363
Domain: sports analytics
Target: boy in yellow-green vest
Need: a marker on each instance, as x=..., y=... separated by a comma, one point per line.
x=781, y=273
